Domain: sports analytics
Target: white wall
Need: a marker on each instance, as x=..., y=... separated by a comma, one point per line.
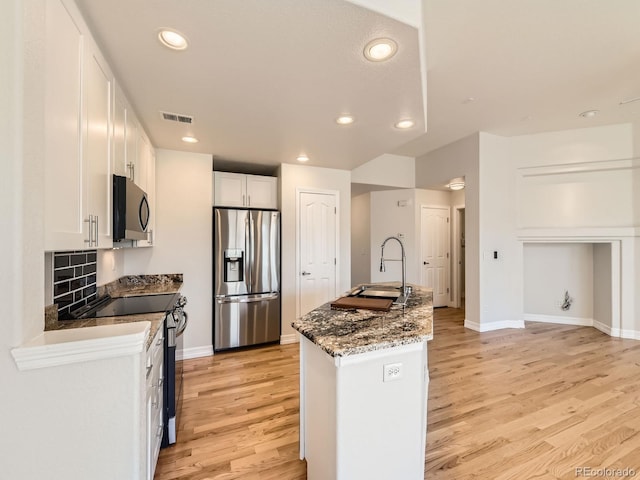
x=549, y=181
x=460, y=159
x=183, y=239
x=501, y=278
x=602, y=282
x=361, y=239
x=299, y=176
x=388, y=219
x=550, y=269
x=388, y=170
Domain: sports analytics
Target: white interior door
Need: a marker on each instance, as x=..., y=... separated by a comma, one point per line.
x=434, y=240
x=317, y=240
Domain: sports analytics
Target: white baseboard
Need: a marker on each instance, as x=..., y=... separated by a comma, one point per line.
x=560, y=319
x=194, y=352
x=487, y=327
x=612, y=332
x=290, y=338
x=584, y=322
x=631, y=334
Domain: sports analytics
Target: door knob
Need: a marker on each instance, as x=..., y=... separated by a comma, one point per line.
x=306, y=273
x=425, y=263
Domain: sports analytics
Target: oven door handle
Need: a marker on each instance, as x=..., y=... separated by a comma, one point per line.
x=183, y=325
x=247, y=298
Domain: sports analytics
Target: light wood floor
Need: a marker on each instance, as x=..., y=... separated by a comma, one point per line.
x=511, y=404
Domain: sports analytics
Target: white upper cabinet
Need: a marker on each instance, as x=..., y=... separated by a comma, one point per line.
x=146, y=180
x=64, y=216
x=262, y=192
x=98, y=88
x=119, y=133
x=246, y=191
x=78, y=93
x=90, y=133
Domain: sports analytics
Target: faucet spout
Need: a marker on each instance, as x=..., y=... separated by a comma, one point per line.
x=403, y=260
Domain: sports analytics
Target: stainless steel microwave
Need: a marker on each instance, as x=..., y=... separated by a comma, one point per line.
x=130, y=210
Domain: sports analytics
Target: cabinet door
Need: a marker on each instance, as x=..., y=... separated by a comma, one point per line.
x=97, y=86
x=262, y=192
x=119, y=139
x=64, y=226
x=229, y=189
x=148, y=159
x=143, y=159
x=131, y=144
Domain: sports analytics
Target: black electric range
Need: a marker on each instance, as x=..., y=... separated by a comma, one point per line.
x=115, y=307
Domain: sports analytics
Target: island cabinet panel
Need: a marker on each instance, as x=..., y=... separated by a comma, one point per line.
x=356, y=424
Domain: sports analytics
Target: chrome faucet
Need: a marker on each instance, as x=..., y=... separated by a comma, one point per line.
x=403, y=298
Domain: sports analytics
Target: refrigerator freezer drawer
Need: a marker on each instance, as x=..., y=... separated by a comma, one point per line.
x=246, y=320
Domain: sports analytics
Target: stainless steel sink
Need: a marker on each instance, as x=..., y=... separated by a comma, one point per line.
x=380, y=291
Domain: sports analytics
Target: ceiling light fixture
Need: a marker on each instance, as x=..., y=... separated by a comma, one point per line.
x=302, y=158
x=172, y=39
x=589, y=113
x=189, y=139
x=380, y=49
x=404, y=124
x=345, y=120
x=456, y=185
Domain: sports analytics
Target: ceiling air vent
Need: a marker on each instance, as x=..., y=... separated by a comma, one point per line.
x=177, y=117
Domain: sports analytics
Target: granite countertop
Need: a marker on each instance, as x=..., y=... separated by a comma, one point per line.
x=132, y=285
x=351, y=332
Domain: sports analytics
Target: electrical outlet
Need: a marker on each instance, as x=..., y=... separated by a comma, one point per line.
x=392, y=371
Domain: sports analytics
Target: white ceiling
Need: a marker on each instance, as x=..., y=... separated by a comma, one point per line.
x=531, y=66
x=265, y=80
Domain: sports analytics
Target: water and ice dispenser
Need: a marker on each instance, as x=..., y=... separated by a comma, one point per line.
x=233, y=265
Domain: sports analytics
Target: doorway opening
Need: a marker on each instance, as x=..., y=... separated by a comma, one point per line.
x=458, y=260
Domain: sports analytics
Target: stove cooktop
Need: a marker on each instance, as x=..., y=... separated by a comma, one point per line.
x=115, y=307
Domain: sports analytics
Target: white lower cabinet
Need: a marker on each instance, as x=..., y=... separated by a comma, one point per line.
x=154, y=401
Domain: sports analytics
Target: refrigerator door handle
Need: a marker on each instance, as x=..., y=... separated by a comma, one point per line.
x=247, y=298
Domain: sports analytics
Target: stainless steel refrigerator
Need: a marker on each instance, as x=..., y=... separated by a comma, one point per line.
x=246, y=283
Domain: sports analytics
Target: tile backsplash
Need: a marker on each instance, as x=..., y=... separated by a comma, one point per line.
x=74, y=279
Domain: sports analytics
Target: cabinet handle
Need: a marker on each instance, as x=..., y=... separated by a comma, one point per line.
x=132, y=171
x=149, y=368
x=159, y=434
x=244, y=200
x=248, y=200
x=150, y=236
x=95, y=237
x=90, y=222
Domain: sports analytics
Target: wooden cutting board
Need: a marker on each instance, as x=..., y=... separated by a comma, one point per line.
x=380, y=304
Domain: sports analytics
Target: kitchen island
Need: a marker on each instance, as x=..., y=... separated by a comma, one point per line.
x=363, y=390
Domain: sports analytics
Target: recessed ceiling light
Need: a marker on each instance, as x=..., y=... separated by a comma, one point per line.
x=172, y=39
x=468, y=100
x=456, y=185
x=380, y=49
x=404, y=124
x=302, y=158
x=589, y=113
x=345, y=120
x=189, y=139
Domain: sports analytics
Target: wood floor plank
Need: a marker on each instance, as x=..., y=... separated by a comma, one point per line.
x=533, y=403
